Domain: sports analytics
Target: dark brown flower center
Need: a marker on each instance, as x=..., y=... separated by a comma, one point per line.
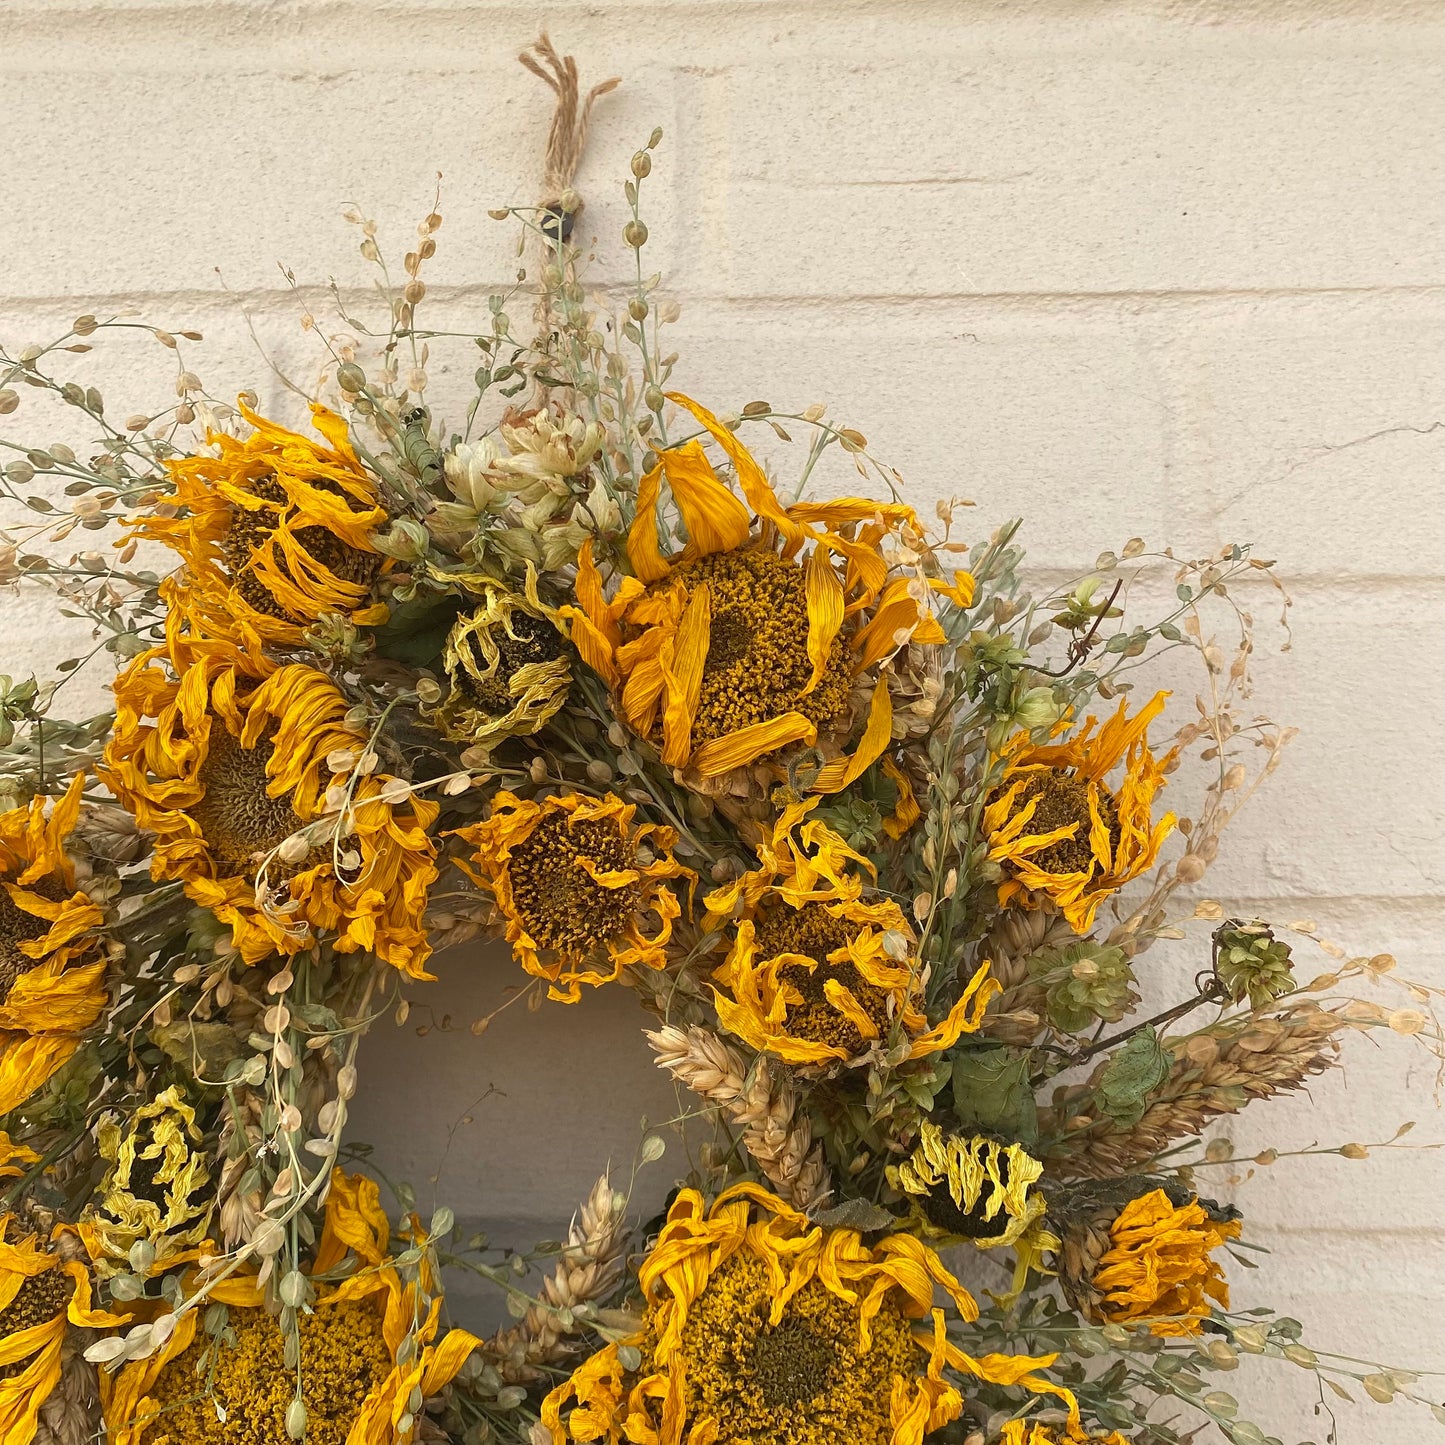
x=791, y=1365
x=240, y=821
x=520, y=639
x=814, y=933
x=557, y=899
x=757, y=661
x=251, y=529
x=40, y=1299
x=939, y=1209
x=17, y=926
x=1060, y=799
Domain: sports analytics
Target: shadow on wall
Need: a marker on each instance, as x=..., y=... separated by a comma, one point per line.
x=511, y=1129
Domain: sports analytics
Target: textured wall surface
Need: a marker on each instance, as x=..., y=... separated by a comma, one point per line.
x=1175, y=270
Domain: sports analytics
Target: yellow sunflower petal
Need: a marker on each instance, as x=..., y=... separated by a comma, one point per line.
x=715, y=520
x=745, y=745
x=842, y=772
x=644, y=554
x=825, y=613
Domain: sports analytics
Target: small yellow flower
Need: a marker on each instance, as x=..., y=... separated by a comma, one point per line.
x=42, y=1295
x=1159, y=1264
x=739, y=645
x=274, y=531
x=508, y=666
x=967, y=1187
x=1064, y=835
x=232, y=776
x=813, y=974
x=157, y=1188
x=762, y=1326
x=52, y=968
x=576, y=882
x=370, y=1341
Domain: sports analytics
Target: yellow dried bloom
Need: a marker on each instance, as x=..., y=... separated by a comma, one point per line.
x=157, y=1188
x=52, y=969
x=41, y=1296
x=809, y=975
x=741, y=645
x=1030, y=1432
x=231, y=775
x=1065, y=836
x=274, y=531
x=1159, y=1267
x=508, y=666
x=575, y=881
x=966, y=1186
x=762, y=1326
x=369, y=1344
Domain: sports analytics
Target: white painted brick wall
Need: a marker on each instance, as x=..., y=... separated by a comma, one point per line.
x=1172, y=268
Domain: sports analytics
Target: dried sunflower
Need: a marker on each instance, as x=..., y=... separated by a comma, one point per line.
x=740, y=644
x=813, y=974
x=274, y=532
x=761, y=1325
x=1160, y=1266
x=231, y=774
x=157, y=1188
x=1147, y=1259
x=1030, y=1432
x=42, y=1295
x=969, y=1187
x=52, y=964
x=508, y=666
x=575, y=880
x=370, y=1341
x=1065, y=836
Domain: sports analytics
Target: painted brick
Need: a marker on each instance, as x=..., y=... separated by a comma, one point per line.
x=1079, y=171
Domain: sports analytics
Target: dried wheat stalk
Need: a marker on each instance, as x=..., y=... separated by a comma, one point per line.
x=1018, y=1015
x=761, y=1099
x=1216, y=1071
x=589, y=1268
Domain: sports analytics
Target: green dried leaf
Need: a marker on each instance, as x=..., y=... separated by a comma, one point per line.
x=859, y=1214
x=1133, y=1072
x=991, y=1090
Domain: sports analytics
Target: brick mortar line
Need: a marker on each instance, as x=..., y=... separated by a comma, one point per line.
x=1006, y=302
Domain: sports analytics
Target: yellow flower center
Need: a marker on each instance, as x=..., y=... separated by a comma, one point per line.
x=18, y=926
x=240, y=821
x=757, y=659
x=815, y=933
x=250, y=530
x=344, y=1357
x=559, y=902
x=803, y=1381
x=1060, y=799
x=40, y=1299
x=529, y=640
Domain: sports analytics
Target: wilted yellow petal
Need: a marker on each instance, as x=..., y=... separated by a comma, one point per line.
x=751, y=477
x=841, y=772
x=825, y=613
x=683, y=681
x=715, y=520
x=738, y=749
x=906, y=811
x=643, y=553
